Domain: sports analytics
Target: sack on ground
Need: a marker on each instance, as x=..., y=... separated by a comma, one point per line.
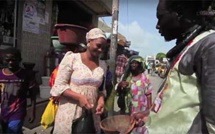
x=48, y=116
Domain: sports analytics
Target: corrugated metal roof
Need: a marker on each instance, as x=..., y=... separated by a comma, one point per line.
x=99, y=7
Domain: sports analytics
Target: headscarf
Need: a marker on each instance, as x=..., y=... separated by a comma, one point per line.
x=137, y=58
x=95, y=33
x=127, y=76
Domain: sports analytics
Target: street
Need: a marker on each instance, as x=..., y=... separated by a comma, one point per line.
x=156, y=82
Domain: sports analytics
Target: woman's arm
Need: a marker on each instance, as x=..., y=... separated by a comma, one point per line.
x=63, y=75
x=61, y=85
x=100, y=105
x=83, y=101
x=148, y=92
x=149, y=100
x=102, y=92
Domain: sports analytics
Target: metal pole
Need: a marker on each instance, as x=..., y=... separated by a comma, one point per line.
x=113, y=46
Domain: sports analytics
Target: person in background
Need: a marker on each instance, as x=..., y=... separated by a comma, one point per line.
x=149, y=67
x=109, y=88
x=77, y=81
x=186, y=103
x=16, y=85
x=153, y=69
x=120, y=65
x=108, y=82
x=134, y=91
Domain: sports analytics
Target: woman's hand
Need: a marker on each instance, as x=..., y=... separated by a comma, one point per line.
x=100, y=106
x=140, y=117
x=99, y=109
x=123, y=84
x=139, y=123
x=84, y=102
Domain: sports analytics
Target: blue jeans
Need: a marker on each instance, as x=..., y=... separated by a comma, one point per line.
x=13, y=127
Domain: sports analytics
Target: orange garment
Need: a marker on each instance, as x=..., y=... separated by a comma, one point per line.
x=53, y=76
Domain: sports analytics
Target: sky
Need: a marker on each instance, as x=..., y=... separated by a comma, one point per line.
x=137, y=22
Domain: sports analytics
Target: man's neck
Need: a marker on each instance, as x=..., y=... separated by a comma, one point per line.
x=182, y=41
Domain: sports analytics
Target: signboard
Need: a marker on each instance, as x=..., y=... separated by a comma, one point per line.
x=33, y=15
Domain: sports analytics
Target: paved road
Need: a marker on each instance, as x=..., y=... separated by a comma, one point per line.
x=156, y=82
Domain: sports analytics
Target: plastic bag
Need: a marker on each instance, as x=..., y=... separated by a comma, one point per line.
x=48, y=116
x=84, y=125
x=109, y=103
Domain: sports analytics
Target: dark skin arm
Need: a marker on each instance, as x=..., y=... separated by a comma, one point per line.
x=149, y=100
x=121, y=85
x=32, y=92
x=141, y=117
x=100, y=106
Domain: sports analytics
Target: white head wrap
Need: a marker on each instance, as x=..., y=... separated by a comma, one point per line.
x=95, y=33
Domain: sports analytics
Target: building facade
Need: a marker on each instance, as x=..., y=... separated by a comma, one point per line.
x=29, y=24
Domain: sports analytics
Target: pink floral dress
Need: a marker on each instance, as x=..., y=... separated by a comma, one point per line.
x=140, y=87
x=75, y=75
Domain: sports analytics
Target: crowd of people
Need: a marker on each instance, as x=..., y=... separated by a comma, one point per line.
x=83, y=82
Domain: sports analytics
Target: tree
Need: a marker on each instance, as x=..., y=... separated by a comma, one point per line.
x=160, y=56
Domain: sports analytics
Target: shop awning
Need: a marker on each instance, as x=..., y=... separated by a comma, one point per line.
x=99, y=7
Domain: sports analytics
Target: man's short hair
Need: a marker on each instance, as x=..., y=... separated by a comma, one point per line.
x=13, y=51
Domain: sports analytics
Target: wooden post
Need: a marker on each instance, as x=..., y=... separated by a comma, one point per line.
x=114, y=39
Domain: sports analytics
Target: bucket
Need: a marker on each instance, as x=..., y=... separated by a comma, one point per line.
x=58, y=47
x=45, y=80
x=71, y=34
x=45, y=92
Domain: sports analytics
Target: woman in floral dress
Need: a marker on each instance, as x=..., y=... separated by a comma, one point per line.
x=135, y=91
x=78, y=79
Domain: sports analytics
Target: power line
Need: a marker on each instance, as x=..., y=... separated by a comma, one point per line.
x=127, y=14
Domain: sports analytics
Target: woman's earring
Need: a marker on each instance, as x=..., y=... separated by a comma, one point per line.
x=88, y=45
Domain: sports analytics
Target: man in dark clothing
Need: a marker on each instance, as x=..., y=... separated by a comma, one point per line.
x=186, y=102
x=108, y=83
